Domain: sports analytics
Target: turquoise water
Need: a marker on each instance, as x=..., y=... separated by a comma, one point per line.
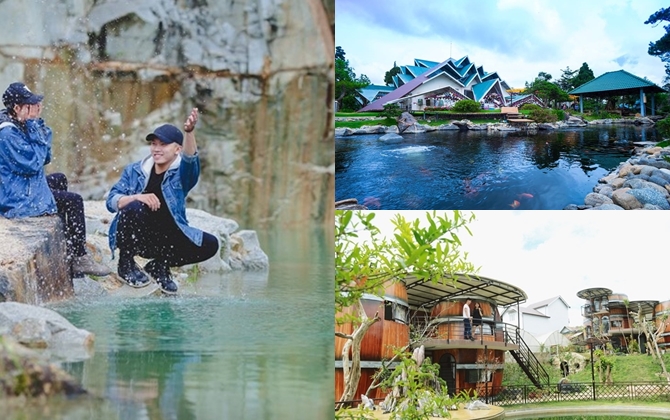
x=477, y=170
x=253, y=346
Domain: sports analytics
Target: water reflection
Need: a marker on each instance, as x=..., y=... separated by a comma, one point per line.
x=253, y=346
x=476, y=170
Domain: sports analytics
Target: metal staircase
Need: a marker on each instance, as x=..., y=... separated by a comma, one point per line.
x=527, y=360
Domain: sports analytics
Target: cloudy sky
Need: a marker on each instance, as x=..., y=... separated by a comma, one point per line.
x=516, y=38
x=552, y=253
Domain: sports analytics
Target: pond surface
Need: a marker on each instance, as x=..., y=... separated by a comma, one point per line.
x=254, y=346
x=471, y=170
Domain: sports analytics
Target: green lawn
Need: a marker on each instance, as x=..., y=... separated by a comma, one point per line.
x=627, y=368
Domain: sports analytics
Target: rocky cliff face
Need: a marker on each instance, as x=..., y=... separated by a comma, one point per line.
x=260, y=71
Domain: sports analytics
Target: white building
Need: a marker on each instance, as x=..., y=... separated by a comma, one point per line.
x=540, y=319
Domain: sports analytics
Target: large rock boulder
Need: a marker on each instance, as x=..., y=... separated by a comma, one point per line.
x=32, y=261
x=42, y=328
x=405, y=121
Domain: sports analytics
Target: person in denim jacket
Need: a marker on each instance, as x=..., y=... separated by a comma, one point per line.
x=150, y=202
x=25, y=189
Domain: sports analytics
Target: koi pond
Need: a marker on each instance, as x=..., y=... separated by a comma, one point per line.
x=475, y=170
x=231, y=346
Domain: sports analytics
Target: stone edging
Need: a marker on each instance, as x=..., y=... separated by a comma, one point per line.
x=640, y=183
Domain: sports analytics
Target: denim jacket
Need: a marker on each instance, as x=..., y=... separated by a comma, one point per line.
x=179, y=179
x=24, y=150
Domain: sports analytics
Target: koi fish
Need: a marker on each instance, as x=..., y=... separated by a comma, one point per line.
x=525, y=195
x=515, y=204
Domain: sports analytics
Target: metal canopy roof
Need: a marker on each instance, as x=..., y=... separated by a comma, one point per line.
x=594, y=292
x=647, y=307
x=426, y=293
x=616, y=83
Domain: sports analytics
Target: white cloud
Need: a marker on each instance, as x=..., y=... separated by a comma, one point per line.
x=516, y=38
x=572, y=251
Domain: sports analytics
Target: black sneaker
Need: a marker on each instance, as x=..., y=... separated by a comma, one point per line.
x=130, y=272
x=160, y=272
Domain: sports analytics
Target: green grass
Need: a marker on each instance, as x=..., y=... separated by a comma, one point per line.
x=359, y=124
x=627, y=368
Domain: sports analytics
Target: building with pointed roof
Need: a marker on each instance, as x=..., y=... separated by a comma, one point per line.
x=540, y=318
x=432, y=84
x=618, y=83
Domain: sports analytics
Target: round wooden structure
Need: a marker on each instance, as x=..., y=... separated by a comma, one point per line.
x=381, y=341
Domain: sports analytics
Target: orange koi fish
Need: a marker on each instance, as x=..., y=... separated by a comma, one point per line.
x=515, y=204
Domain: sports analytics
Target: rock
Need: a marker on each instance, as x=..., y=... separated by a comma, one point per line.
x=604, y=189
x=617, y=183
x=247, y=252
x=28, y=374
x=571, y=207
x=650, y=196
x=405, y=121
x=39, y=327
x=32, y=261
x=391, y=138
x=445, y=127
x=546, y=126
x=607, y=207
x=621, y=197
x=637, y=183
x=462, y=124
x=85, y=287
x=595, y=199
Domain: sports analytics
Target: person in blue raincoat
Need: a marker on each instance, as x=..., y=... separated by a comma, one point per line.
x=25, y=189
x=150, y=202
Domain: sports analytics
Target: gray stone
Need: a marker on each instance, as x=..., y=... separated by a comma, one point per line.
x=607, y=207
x=659, y=180
x=661, y=164
x=391, y=138
x=405, y=121
x=247, y=251
x=85, y=287
x=595, y=199
x=621, y=197
x=650, y=196
x=39, y=327
x=637, y=183
x=571, y=207
x=651, y=207
x=33, y=268
x=446, y=127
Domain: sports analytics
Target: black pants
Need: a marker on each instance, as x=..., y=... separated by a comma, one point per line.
x=71, y=211
x=139, y=233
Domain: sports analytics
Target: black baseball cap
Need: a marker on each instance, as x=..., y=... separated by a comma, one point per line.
x=18, y=94
x=167, y=133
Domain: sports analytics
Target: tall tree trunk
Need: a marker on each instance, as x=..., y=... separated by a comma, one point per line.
x=352, y=373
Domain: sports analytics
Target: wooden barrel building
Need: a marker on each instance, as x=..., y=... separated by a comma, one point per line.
x=462, y=367
x=381, y=341
x=660, y=310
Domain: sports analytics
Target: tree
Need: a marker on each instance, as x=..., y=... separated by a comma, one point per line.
x=661, y=48
x=388, y=76
x=346, y=82
x=366, y=261
x=566, y=82
x=544, y=89
x=585, y=74
x=652, y=333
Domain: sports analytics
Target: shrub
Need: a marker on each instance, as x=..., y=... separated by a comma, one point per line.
x=467, y=105
x=542, y=115
x=560, y=114
x=663, y=127
x=391, y=111
x=530, y=107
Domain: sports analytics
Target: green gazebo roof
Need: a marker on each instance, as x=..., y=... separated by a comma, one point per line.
x=616, y=83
